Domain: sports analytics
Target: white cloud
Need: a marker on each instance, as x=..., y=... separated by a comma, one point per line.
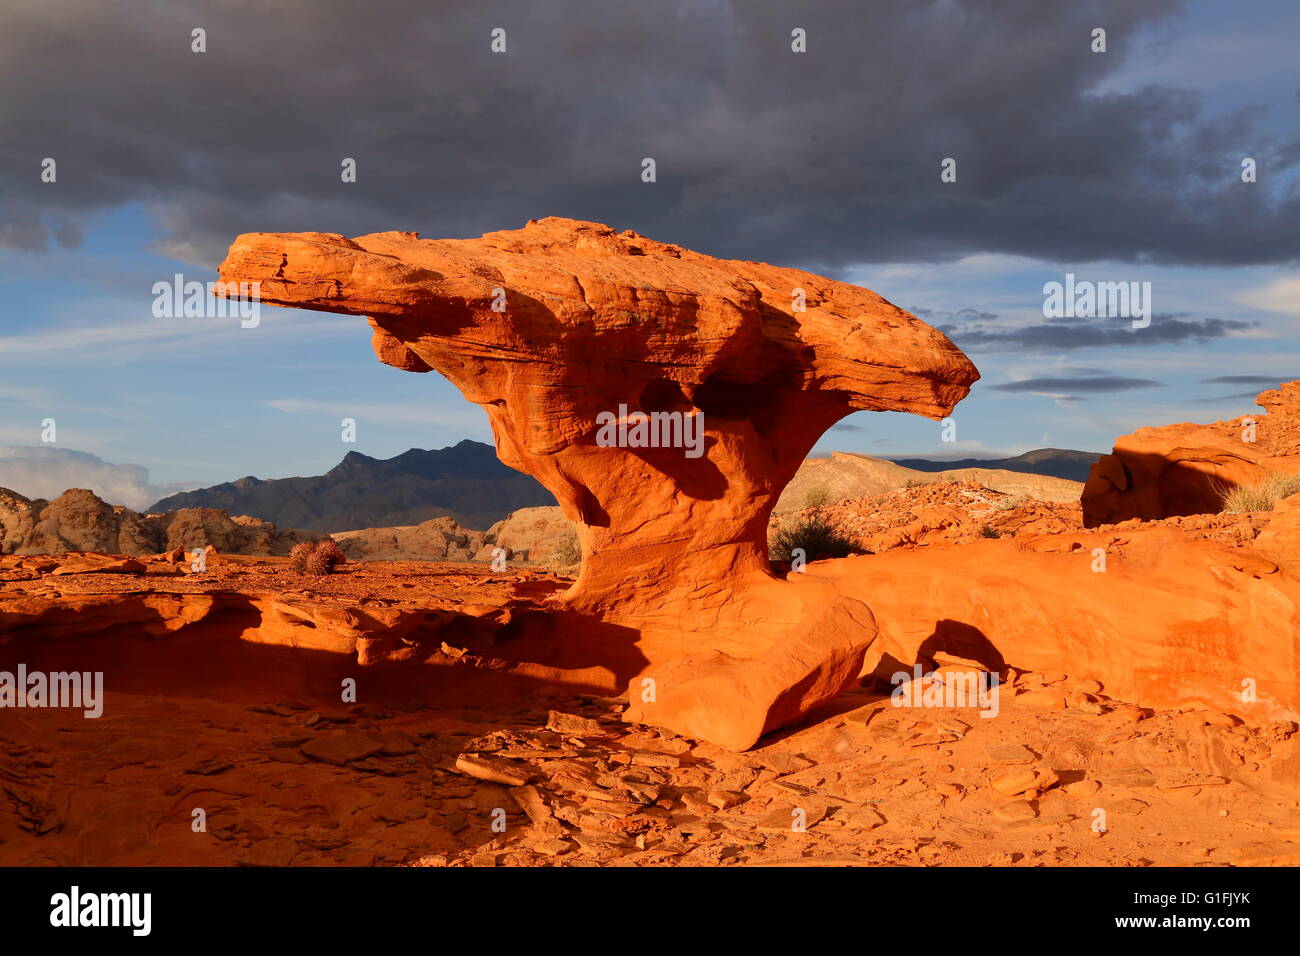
x=37, y=471
x=1281, y=295
x=387, y=413
x=145, y=339
x=23, y=395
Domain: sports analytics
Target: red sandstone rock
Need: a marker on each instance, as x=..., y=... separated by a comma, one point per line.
x=1175, y=619
x=18, y=517
x=1280, y=538
x=1185, y=469
x=676, y=603
x=587, y=320
x=536, y=535
x=98, y=564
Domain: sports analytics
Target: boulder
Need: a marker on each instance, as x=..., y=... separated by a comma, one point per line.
x=78, y=520
x=18, y=518
x=438, y=539
x=536, y=535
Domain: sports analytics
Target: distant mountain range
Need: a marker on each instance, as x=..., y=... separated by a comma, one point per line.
x=466, y=482
x=1055, y=462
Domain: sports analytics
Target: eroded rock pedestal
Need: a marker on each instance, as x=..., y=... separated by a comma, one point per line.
x=555, y=326
x=551, y=326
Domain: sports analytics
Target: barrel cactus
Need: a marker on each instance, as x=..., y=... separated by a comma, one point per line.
x=300, y=553
x=325, y=557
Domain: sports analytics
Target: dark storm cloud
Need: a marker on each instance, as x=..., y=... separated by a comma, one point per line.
x=1256, y=384
x=823, y=159
x=1089, y=333
x=1260, y=381
x=1235, y=396
x=935, y=316
x=1099, y=384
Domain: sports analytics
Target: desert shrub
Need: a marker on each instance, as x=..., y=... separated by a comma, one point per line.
x=325, y=556
x=1261, y=495
x=817, y=497
x=567, y=553
x=989, y=532
x=814, y=534
x=300, y=553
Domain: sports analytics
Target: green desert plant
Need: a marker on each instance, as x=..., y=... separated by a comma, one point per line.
x=1260, y=495
x=989, y=532
x=814, y=534
x=817, y=497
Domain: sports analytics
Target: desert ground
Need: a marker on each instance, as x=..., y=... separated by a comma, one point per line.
x=970, y=669
x=288, y=775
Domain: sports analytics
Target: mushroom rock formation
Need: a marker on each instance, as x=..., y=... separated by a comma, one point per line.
x=558, y=326
x=1185, y=469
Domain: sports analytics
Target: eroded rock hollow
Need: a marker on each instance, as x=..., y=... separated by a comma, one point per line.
x=554, y=328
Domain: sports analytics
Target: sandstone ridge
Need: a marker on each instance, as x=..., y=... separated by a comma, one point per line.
x=1186, y=469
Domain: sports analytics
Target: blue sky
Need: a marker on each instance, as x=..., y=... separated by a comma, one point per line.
x=197, y=399
x=202, y=400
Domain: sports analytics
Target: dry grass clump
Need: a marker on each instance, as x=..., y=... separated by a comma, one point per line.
x=1261, y=495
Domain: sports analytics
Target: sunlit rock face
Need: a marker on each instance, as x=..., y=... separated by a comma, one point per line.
x=1187, y=469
